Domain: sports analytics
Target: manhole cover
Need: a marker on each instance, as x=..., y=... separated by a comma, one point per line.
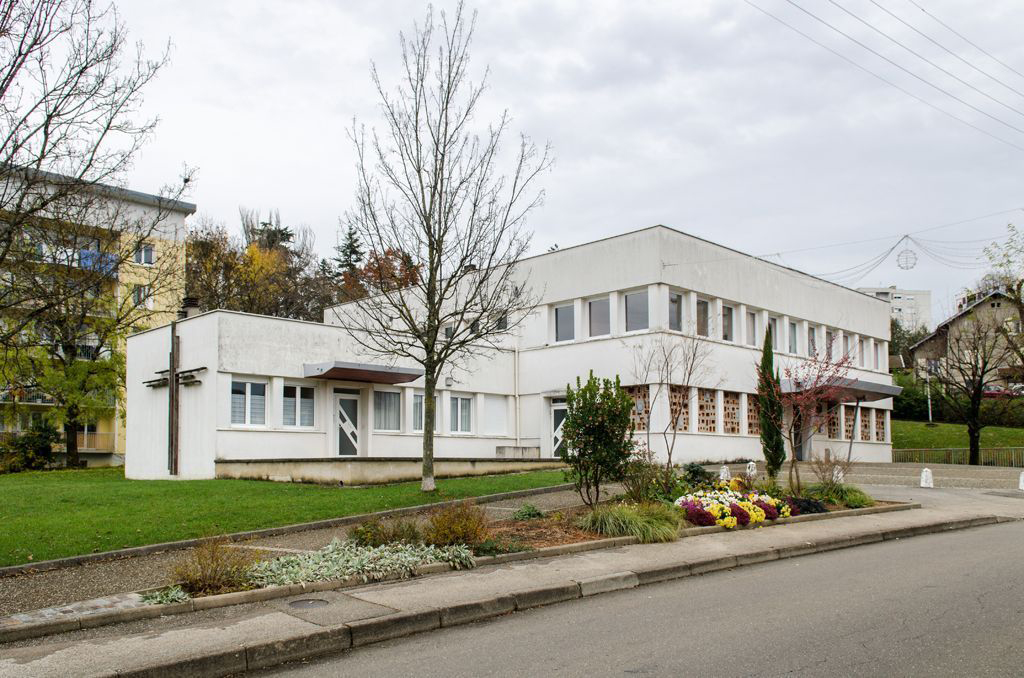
x=306, y=603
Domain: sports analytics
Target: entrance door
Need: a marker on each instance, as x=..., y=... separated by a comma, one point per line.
x=348, y=425
x=557, y=420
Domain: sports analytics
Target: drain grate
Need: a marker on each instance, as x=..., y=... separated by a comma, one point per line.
x=307, y=603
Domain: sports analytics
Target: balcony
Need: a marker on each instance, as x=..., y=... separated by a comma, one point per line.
x=104, y=263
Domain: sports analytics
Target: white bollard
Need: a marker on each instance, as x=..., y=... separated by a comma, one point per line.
x=1020, y=483
x=724, y=475
x=751, y=469
x=926, y=478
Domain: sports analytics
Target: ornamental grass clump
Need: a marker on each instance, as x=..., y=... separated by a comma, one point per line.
x=649, y=523
x=213, y=567
x=840, y=494
x=461, y=523
x=379, y=532
x=344, y=559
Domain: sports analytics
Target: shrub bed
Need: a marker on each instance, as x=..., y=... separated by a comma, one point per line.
x=727, y=508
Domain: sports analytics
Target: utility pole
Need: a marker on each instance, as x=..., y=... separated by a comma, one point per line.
x=172, y=403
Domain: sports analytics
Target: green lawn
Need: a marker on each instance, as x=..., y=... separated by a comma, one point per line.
x=917, y=434
x=53, y=514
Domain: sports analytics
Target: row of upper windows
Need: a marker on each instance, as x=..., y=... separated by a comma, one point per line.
x=637, y=318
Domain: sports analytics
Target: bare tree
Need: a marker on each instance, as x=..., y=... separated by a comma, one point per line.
x=968, y=355
x=70, y=92
x=666, y=363
x=430, y=190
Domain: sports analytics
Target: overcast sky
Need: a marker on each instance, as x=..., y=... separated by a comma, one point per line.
x=707, y=116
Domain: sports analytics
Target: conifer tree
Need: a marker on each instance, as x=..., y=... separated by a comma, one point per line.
x=770, y=409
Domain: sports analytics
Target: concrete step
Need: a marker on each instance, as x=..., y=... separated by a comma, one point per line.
x=938, y=481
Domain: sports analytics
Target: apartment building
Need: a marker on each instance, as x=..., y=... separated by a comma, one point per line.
x=272, y=389
x=912, y=308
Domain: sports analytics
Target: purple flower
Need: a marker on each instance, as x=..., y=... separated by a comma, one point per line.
x=740, y=514
x=770, y=512
x=697, y=515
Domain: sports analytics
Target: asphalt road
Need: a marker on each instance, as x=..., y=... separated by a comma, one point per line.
x=939, y=605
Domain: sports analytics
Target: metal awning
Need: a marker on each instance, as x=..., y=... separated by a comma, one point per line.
x=374, y=374
x=851, y=390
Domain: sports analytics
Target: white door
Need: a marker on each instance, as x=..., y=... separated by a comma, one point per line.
x=557, y=420
x=348, y=425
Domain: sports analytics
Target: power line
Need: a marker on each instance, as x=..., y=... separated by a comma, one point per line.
x=926, y=59
x=943, y=47
x=967, y=40
x=884, y=79
x=902, y=68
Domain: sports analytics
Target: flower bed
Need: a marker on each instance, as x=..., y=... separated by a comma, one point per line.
x=729, y=509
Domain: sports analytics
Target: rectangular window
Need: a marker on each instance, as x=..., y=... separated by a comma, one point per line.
x=812, y=341
x=248, y=403
x=751, y=328
x=703, y=309
x=387, y=411
x=862, y=353
x=792, y=337
x=636, y=311
x=297, y=403
x=418, y=414
x=495, y=420
x=675, y=311
x=144, y=255
x=462, y=414
x=600, y=320
x=773, y=325
x=830, y=339
x=727, y=333
x=142, y=295
x=846, y=345
x=449, y=331
x=501, y=324
x=565, y=323
x=877, y=360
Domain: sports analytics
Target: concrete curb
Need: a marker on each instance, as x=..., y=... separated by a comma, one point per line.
x=355, y=634
x=272, y=592
x=134, y=551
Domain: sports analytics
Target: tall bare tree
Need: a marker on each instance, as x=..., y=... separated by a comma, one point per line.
x=430, y=190
x=666, y=363
x=966, y=358
x=70, y=94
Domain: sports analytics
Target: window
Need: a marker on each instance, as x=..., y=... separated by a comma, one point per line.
x=773, y=325
x=703, y=309
x=600, y=320
x=417, y=413
x=387, y=411
x=565, y=323
x=812, y=341
x=877, y=363
x=501, y=323
x=675, y=311
x=636, y=311
x=862, y=359
x=792, y=337
x=495, y=421
x=144, y=255
x=449, y=331
x=830, y=339
x=727, y=333
x=298, y=406
x=751, y=328
x=462, y=414
x=846, y=344
x=142, y=295
x=248, y=403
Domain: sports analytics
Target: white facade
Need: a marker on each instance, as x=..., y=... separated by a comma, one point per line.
x=912, y=308
x=671, y=284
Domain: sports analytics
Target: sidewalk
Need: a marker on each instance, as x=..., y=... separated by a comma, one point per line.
x=241, y=638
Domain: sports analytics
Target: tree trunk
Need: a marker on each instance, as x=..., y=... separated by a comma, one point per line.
x=974, y=438
x=429, y=412
x=72, y=459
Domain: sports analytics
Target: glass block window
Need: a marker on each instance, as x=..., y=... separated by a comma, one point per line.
x=848, y=417
x=833, y=423
x=706, y=410
x=641, y=395
x=865, y=423
x=880, y=425
x=679, y=406
x=730, y=413
x=753, y=415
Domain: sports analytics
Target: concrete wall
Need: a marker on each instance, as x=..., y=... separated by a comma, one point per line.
x=372, y=471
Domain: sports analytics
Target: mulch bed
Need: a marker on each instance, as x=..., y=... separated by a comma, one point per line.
x=541, y=532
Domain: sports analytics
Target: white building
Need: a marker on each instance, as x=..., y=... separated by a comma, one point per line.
x=912, y=308
x=273, y=389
